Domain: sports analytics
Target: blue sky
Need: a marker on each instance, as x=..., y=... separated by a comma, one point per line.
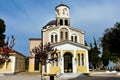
x=25, y=18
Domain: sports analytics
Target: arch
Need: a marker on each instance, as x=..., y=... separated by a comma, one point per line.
x=68, y=62
x=64, y=34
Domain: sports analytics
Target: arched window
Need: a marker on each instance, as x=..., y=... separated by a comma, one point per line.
x=66, y=35
x=61, y=22
x=82, y=59
x=61, y=34
x=66, y=22
x=55, y=38
x=75, y=38
x=52, y=38
x=56, y=60
x=78, y=59
x=71, y=38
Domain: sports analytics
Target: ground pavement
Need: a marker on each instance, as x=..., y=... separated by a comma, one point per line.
x=36, y=76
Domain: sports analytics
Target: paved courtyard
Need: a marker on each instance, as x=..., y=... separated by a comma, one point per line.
x=36, y=76
x=97, y=78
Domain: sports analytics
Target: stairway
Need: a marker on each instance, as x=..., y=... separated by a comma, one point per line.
x=69, y=75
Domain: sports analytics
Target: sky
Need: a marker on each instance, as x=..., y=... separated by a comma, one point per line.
x=25, y=18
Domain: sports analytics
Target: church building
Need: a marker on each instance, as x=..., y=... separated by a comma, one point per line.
x=68, y=40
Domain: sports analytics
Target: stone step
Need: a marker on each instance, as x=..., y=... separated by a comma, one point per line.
x=70, y=75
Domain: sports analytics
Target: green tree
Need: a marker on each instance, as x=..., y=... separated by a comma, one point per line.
x=110, y=42
x=2, y=35
x=94, y=58
x=105, y=57
x=5, y=47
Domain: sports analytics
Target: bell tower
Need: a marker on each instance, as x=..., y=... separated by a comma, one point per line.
x=62, y=15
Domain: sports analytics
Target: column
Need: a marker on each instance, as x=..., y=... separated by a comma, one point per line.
x=74, y=61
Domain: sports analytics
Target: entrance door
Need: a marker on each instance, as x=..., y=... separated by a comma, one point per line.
x=68, y=62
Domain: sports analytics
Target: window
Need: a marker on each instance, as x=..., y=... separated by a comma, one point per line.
x=61, y=22
x=78, y=59
x=82, y=59
x=75, y=38
x=66, y=22
x=66, y=35
x=71, y=38
x=52, y=62
x=55, y=38
x=51, y=38
x=61, y=35
x=56, y=61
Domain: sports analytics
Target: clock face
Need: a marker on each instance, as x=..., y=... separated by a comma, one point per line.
x=64, y=10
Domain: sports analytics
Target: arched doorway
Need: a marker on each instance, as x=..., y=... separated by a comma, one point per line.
x=68, y=62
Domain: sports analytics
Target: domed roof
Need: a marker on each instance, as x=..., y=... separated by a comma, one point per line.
x=53, y=22
x=62, y=5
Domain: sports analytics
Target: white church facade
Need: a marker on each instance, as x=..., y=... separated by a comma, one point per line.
x=68, y=40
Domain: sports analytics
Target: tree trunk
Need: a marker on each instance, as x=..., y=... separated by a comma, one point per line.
x=41, y=71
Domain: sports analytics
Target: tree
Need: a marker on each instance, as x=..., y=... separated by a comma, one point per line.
x=46, y=54
x=5, y=47
x=94, y=58
x=105, y=57
x=110, y=42
x=2, y=30
x=7, y=50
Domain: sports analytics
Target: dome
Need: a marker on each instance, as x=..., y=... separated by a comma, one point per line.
x=62, y=5
x=53, y=22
